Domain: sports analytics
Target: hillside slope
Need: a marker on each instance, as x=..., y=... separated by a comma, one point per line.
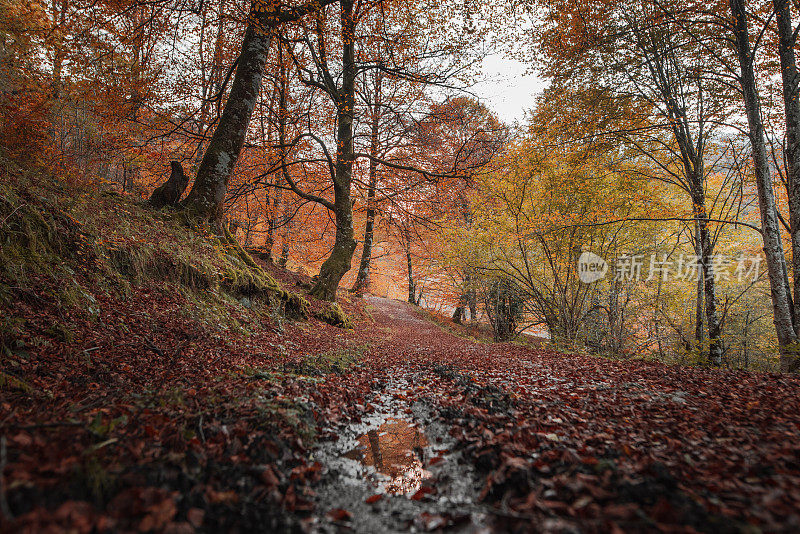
x=141, y=358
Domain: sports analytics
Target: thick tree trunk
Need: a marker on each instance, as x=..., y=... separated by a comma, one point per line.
x=791, y=81
x=339, y=262
x=770, y=231
x=206, y=198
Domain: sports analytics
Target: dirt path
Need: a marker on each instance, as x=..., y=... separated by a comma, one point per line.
x=398, y=469
x=497, y=437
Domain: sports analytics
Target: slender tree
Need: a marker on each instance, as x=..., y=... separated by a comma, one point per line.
x=770, y=229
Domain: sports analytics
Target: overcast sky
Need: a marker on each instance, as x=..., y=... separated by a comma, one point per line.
x=506, y=89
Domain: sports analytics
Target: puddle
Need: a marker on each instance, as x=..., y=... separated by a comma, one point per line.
x=398, y=451
x=394, y=450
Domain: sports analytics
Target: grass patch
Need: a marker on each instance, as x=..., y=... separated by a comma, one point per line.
x=82, y=241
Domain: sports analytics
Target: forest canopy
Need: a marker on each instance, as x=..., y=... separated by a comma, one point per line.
x=341, y=138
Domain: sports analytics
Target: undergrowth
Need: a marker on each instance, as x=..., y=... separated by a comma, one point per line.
x=64, y=246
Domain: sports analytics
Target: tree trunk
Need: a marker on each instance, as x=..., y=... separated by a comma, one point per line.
x=791, y=81
x=366, y=254
x=706, y=274
x=770, y=231
x=284, y=259
x=412, y=286
x=472, y=298
x=337, y=265
x=709, y=291
x=169, y=193
x=698, y=316
x=369, y=230
x=206, y=198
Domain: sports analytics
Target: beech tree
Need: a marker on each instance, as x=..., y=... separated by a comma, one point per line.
x=205, y=200
x=770, y=228
x=637, y=52
x=389, y=37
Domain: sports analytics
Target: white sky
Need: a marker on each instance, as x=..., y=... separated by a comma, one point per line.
x=506, y=88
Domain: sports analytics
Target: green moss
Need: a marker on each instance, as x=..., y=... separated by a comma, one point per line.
x=118, y=244
x=11, y=382
x=336, y=361
x=334, y=315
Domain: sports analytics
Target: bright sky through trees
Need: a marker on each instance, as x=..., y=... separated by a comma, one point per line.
x=507, y=87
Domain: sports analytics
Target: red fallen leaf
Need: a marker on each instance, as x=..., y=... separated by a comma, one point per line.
x=195, y=517
x=339, y=515
x=662, y=511
x=373, y=499
x=23, y=439
x=515, y=462
x=268, y=477
x=217, y=497
x=422, y=492
x=272, y=448
x=159, y=515
x=435, y=460
x=621, y=511
x=290, y=499
x=76, y=512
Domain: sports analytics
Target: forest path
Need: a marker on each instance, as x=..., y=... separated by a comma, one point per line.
x=498, y=437
x=397, y=470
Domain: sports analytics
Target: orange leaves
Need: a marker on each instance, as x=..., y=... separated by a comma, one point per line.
x=339, y=515
x=374, y=498
x=422, y=493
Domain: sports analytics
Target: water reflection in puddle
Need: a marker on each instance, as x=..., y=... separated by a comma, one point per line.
x=394, y=450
